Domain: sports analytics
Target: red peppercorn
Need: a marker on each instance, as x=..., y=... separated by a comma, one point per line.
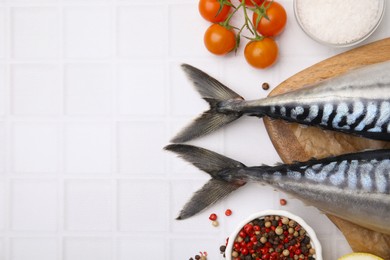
x=283, y=202
x=213, y=216
x=228, y=212
x=256, y=228
x=242, y=234
x=298, y=251
x=248, y=228
x=264, y=250
x=244, y=251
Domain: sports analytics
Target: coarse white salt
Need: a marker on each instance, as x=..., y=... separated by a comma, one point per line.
x=339, y=22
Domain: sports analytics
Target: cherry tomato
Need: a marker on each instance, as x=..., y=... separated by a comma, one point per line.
x=250, y=3
x=219, y=40
x=209, y=10
x=261, y=53
x=276, y=21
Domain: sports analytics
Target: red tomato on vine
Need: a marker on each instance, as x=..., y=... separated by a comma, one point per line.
x=219, y=40
x=261, y=53
x=214, y=11
x=273, y=21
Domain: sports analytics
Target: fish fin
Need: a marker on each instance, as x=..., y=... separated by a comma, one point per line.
x=213, y=191
x=215, y=165
x=206, y=123
x=205, y=160
x=214, y=92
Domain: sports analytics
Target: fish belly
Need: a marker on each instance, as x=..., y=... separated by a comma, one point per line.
x=367, y=210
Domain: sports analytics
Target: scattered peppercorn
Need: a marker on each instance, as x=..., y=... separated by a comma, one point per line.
x=213, y=217
x=265, y=86
x=228, y=212
x=215, y=223
x=283, y=202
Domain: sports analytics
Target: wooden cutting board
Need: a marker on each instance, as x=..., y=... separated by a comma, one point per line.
x=294, y=142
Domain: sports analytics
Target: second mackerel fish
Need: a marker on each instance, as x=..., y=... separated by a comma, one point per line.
x=355, y=187
x=356, y=102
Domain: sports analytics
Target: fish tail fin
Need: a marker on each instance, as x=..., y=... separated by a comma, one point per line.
x=219, y=98
x=220, y=169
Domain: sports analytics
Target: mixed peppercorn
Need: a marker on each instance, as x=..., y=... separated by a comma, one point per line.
x=274, y=238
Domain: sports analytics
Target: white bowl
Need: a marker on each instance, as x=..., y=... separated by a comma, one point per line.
x=314, y=36
x=315, y=243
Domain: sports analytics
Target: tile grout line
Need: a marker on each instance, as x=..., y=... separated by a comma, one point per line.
x=8, y=133
x=61, y=162
x=114, y=130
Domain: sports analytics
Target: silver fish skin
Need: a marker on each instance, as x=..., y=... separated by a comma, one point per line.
x=356, y=102
x=354, y=187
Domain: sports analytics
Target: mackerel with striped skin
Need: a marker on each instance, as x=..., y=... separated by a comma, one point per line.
x=354, y=187
x=357, y=102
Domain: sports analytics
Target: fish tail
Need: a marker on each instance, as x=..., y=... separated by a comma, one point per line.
x=219, y=167
x=223, y=105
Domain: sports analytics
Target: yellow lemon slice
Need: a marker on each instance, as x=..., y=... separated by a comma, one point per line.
x=360, y=256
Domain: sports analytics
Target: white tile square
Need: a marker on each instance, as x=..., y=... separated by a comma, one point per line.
x=35, y=147
x=141, y=37
x=88, y=89
x=87, y=32
x=87, y=248
x=143, y=206
x=3, y=206
x=34, y=248
x=36, y=89
x=88, y=205
x=2, y=32
x=127, y=246
x=140, y=148
x=3, y=91
x=141, y=89
x=35, y=32
x=184, y=18
x=88, y=148
x=34, y=205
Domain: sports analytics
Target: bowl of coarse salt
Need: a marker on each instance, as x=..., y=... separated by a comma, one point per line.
x=339, y=23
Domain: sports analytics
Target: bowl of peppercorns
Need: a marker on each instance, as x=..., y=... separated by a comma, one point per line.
x=274, y=235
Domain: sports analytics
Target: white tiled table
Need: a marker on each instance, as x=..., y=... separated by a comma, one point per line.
x=90, y=92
